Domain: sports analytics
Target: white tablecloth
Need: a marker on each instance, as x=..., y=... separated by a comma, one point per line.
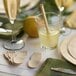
x=31, y=45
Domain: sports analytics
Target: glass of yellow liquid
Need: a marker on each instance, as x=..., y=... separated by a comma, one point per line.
x=48, y=39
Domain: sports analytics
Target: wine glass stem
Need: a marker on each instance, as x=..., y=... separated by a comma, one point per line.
x=13, y=34
x=61, y=16
x=61, y=20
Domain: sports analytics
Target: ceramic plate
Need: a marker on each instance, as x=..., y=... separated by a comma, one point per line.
x=64, y=51
x=72, y=47
x=6, y=30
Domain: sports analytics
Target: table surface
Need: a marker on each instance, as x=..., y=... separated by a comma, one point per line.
x=31, y=45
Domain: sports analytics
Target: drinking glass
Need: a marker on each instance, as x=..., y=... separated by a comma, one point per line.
x=11, y=8
x=60, y=5
x=48, y=39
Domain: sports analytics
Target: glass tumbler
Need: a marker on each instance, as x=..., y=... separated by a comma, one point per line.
x=48, y=39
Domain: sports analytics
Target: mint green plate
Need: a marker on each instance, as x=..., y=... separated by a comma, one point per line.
x=6, y=29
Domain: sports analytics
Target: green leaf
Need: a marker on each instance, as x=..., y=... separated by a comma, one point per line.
x=50, y=6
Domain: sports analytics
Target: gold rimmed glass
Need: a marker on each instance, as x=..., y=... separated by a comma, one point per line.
x=61, y=7
x=11, y=9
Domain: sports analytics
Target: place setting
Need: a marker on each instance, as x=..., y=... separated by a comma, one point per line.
x=20, y=53
x=66, y=66
x=67, y=48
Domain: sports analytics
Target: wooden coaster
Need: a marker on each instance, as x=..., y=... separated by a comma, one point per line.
x=34, y=60
x=9, y=56
x=16, y=57
x=19, y=57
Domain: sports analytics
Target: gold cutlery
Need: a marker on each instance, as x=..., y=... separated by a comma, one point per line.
x=64, y=70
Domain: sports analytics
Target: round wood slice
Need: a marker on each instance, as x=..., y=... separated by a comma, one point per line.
x=9, y=56
x=15, y=57
x=19, y=57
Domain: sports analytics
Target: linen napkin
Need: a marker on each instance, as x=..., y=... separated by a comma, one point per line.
x=45, y=69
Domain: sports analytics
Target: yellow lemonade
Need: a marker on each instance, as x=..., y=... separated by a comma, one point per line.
x=49, y=40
